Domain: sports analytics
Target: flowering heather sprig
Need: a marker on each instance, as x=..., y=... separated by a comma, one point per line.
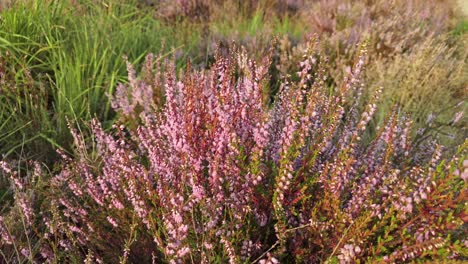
x=269, y=260
x=23, y=233
x=136, y=93
x=5, y=235
x=348, y=253
x=14, y=177
x=21, y=194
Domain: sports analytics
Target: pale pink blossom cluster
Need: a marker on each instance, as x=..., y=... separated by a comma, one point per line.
x=4, y=234
x=349, y=253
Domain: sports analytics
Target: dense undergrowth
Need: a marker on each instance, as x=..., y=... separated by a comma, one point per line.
x=262, y=132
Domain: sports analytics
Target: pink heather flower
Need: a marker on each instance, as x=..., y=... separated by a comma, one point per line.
x=37, y=171
x=25, y=252
x=117, y=204
x=458, y=117
x=269, y=260
x=464, y=175
x=66, y=245
x=348, y=253
x=74, y=187
x=182, y=252
x=230, y=250
x=4, y=234
x=13, y=175
x=177, y=217
x=112, y=221
x=46, y=253
x=27, y=210
x=5, y=167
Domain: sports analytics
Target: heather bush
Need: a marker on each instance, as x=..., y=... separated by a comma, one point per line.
x=430, y=83
x=214, y=172
x=252, y=24
x=410, y=53
x=392, y=26
x=202, y=11
x=22, y=236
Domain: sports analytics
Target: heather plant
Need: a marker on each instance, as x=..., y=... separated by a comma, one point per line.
x=426, y=79
x=252, y=24
x=306, y=155
x=202, y=11
x=392, y=26
x=22, y=237
x=215, y=172
x=429, y=83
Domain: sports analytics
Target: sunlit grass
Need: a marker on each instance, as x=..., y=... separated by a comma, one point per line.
x=76, y=51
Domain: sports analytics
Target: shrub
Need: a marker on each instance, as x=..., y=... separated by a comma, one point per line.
x=22, y=236
x=408, y=45
x=392, y=26
x=202, y=11
x=429, y=83
x=252, y=24
x=214, y=173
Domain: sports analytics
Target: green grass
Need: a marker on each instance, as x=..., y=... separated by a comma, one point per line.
x=461, y=28
x=76, y=52
x=258, y=24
